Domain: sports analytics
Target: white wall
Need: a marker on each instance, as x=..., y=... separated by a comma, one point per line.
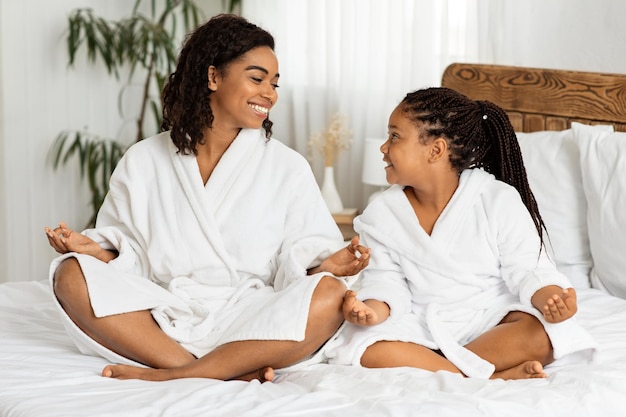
x=40, y=96
x=3, y=194
x=39, y=99
x=582, y=35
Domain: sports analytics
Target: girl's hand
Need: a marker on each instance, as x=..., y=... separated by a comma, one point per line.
x=363, y=313
x=555, y=303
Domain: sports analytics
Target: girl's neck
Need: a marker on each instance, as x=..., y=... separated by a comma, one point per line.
x=435, y=193
x=429, y=200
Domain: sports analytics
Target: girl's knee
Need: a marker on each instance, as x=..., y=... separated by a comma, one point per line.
x=539, y=345
x=536, y=342
x=371, y=357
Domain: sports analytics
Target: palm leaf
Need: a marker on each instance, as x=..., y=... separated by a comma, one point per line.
x=135, y=41
x=97, y=157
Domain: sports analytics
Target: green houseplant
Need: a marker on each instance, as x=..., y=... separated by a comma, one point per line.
x=143, y=40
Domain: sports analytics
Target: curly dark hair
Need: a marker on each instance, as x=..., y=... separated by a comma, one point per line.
x=479, y=134
x=186, y=96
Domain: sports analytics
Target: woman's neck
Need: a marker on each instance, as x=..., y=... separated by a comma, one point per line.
x=216, y=140
x=216, y=143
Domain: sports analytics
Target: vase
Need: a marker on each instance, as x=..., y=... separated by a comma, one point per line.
x=329, y=191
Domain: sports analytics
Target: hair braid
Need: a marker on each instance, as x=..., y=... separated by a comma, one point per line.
x=504, y=158
x=479, y=135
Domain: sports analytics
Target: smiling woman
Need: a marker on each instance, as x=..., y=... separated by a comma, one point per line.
x=213, y=229
x=244, y=92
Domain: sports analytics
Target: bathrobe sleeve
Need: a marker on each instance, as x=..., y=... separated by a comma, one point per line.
x=525, y=268
x=384, y=279
x=119, y=213
x=311, y=234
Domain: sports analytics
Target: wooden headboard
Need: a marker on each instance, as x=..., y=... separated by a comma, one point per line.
x=544, y=99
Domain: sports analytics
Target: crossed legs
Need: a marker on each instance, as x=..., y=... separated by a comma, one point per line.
x=138, y=337
x=518, y=347
x=133, y=335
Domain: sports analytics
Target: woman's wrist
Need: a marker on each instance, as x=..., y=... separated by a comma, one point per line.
x=106, y=255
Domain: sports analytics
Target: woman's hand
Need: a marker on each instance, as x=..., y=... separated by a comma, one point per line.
x=64, y=240
x=347, y=261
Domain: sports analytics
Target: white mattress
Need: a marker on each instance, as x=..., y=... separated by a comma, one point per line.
x=43, y=374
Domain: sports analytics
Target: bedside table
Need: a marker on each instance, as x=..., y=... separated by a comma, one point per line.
x=344, y=220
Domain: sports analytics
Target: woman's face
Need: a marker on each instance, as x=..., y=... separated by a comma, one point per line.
x=245, y=91
x=406, y=156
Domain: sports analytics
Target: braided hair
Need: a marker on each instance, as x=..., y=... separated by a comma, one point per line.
x=479, y=135
x=186, y=97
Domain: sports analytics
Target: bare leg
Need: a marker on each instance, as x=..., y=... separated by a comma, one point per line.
x=264, y=375
x=392, y=354
x=525, y=370
x=241, y=360
x=518, y=347
x=125, y=334
x=519, y=338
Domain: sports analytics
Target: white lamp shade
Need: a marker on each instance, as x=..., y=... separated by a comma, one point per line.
x=373, y=165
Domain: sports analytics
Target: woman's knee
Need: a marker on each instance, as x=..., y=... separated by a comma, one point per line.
x=327, y=301
x=69, y=282
x=329, y=291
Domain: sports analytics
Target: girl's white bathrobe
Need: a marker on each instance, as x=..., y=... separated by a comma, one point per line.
x=481, y=261
x=215, y=263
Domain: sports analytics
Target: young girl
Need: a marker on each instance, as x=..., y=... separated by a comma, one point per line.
x=458, y=278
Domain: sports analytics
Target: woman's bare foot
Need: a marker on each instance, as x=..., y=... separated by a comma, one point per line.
x=150, y=374
x=136, y=372
x=525, y=370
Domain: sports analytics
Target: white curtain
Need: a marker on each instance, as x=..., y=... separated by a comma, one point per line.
x=358, y=58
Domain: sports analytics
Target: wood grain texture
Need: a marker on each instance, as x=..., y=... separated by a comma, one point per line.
x=544, y=99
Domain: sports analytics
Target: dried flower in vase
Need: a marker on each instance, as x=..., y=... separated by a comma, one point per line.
x=332, y=140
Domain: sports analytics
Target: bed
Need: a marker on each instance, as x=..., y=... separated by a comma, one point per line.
x=570, y=128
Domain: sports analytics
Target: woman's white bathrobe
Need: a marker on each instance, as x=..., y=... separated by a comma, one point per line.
x=215, y=263
x=480, y=262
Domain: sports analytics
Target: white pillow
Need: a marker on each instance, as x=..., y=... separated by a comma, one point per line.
x=603, y=165
x=552, y=164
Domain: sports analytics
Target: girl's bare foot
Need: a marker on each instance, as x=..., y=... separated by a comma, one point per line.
x=525, y=370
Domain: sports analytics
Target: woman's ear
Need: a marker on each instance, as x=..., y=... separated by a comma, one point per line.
x=438, y=148
x=212, y=76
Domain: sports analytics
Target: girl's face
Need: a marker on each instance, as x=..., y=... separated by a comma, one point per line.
x=406, y=156
x=245, y=91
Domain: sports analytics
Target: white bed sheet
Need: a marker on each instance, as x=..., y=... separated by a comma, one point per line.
x=42, y=374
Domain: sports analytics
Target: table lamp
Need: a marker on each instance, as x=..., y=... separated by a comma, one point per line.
x=374, y=166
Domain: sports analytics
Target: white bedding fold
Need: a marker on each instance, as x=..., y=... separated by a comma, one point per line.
x=44, y=376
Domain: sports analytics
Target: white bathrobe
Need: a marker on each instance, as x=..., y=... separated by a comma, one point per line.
x=215, y=263
x=480, y=262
